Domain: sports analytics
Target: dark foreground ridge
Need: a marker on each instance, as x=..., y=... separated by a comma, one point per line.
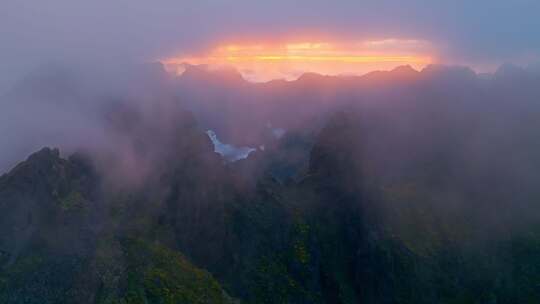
x=333, y=234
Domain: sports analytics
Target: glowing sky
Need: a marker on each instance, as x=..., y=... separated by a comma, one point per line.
x=482, y=34
x=288, y=60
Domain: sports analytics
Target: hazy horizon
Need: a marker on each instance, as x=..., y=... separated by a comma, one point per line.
x=269, y=152
x=480, y=34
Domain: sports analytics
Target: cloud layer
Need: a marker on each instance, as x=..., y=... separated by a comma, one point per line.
x=483, y=33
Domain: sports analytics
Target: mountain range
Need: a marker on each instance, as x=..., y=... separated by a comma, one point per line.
x=393, y=187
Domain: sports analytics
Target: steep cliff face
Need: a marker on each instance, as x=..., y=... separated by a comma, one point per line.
x=334, y=233
x=67, y=235
x=337, y=235
x=49, y=223
x=316, y=239
x=47, y=203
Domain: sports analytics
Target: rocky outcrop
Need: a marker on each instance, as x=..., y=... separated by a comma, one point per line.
x=47, y=201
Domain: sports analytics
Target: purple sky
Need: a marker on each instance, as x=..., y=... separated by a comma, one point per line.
x=482, y=32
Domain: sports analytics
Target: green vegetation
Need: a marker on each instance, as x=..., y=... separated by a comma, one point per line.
x=74, y=201
x=159, y=275
x=326, y=236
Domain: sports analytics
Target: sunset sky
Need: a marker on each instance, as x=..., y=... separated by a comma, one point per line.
x=286, y=60
x=367, y=34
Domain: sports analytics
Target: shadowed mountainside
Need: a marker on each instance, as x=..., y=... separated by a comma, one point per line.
x=394, y=187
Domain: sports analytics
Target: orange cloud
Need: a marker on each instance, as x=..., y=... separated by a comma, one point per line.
x=267, y=61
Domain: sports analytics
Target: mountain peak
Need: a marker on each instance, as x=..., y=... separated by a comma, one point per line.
x=335, y=153
x=45, y=162
x=45, y=154
x=404, y=69
x=206, y=73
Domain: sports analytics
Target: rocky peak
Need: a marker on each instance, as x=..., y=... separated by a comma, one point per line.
x=336, y=151
x=207, y=74
x=44, y=155
x=38, y=170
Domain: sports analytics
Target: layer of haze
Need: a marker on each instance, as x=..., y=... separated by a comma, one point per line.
x=66, y=66
x=448, y=155
x=482, y=33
